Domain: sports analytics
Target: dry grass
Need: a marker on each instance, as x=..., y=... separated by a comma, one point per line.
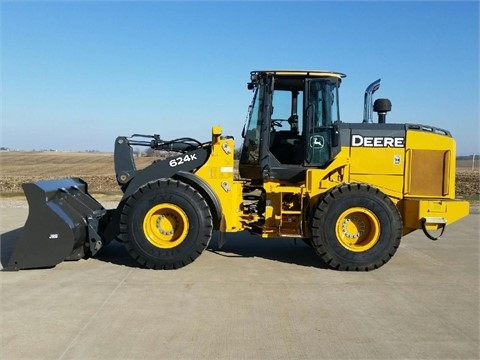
x=97, y=169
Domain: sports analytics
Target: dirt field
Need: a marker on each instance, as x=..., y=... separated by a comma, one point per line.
x=97, y=169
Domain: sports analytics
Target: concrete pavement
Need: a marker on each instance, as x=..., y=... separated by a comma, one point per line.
x=254, y=299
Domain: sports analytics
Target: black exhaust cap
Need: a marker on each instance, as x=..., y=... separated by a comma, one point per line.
x=382, y=106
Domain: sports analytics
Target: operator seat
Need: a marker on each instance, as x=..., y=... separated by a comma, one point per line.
x=283, y=146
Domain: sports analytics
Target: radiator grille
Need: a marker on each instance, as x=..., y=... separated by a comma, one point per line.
x=428, y=172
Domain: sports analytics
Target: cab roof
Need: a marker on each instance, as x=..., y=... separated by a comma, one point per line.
x=303, y=73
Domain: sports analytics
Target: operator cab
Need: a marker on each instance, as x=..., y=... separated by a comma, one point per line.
x=292, y=124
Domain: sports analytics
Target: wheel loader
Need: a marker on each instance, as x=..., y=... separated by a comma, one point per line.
x=350, y=190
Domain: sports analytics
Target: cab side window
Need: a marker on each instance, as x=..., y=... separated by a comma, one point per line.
x=286, y=126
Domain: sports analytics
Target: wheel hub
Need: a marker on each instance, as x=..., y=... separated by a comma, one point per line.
x=353, y=227
x=357, y=229
x=165, y=226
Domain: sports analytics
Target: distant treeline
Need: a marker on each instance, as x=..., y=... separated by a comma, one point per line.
x=467, y=157
x=3, y=148
x=165, y=154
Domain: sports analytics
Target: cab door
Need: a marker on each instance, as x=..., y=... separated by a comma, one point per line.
x=321, y=114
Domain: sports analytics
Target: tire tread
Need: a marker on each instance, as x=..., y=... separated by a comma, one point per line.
x=201, y=242
x=322, y=209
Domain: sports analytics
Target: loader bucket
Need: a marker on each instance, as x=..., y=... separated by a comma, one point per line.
x=62, y=224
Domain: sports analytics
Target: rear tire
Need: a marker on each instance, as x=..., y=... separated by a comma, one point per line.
x=165, y=224
x=356, y=227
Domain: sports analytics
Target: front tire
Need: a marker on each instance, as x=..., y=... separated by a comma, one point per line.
x=165, y=224
x=355, y=227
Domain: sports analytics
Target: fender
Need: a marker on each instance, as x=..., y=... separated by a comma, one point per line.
x=208, y=194
x=110, y=227
x=166, y=169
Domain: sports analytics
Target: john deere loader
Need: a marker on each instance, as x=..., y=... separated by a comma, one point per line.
x=350, y=190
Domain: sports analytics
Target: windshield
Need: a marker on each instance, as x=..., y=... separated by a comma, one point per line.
x=251, y=143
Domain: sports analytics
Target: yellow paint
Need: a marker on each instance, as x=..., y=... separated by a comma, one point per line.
x=388, y=169
x=414, y=210
x=312, y=73
x=165, y=226
x=444, y=147
x=357, y=229
x=216, y=172
x=384, y=161
x=216, y=130
x=391, y=185
x=318, y=181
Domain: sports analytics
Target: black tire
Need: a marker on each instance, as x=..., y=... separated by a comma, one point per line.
x=355, y=227
x=165, y=224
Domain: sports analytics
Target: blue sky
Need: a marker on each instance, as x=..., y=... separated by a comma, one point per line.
x=74, y=75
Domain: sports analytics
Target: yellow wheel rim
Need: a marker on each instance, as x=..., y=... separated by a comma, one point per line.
x=165, y=226
x=357, y=229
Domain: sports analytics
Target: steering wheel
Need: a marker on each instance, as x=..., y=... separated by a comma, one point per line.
x=276, y=123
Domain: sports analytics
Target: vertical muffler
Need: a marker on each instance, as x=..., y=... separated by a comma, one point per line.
x=62, y=224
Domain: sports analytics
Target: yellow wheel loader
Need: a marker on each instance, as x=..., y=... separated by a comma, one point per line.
x=350, y=190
